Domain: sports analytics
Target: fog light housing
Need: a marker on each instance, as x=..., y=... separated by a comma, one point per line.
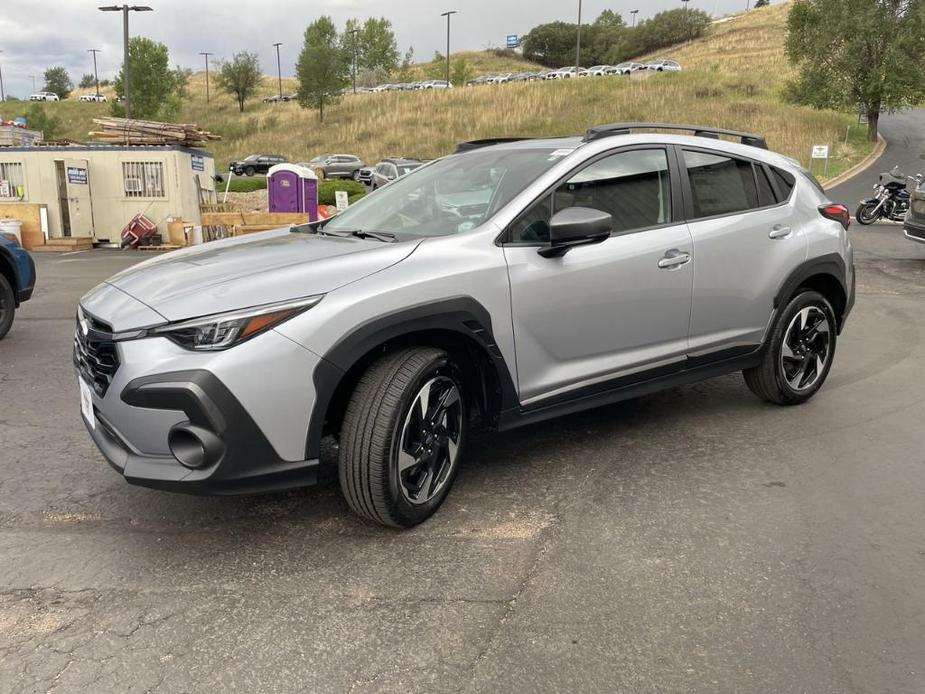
x=194, y=447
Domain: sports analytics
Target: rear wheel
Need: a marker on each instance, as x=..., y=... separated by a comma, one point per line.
x=249, y=171
x=865, y=213
x=800, y=352
x=7, y=306
x=402, y=437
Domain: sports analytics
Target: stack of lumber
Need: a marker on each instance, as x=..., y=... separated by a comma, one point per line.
x=124, y=131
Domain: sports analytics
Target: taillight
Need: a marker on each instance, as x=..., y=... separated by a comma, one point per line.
x=837, y=213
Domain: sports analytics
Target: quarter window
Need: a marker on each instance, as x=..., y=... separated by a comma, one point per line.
x=765, y=191
x=720, y=185
x=785, y=182
x=143, y=179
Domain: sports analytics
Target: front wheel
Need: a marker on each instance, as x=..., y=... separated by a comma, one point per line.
x=356, y=176
x=402, y=437
x=7, y=306
x=799, y=354
x=249, y=171
x=866, y=214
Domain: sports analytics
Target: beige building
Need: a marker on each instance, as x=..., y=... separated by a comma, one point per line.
x=93, y=190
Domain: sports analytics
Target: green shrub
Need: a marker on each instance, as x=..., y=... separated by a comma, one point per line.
x=245, y=185
x=326, y=190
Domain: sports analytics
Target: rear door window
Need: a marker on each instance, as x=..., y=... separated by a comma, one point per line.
x=720, y=185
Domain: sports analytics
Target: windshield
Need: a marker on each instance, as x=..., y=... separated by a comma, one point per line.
x=407, y=168
x=449, y=196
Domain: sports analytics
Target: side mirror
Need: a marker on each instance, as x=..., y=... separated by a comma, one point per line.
x=576, y=226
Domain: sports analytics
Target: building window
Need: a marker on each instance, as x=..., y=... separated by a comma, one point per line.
x=12, y=185
x=143, y=179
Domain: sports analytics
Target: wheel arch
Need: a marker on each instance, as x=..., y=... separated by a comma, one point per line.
x=826, y=275
x=460, y=325
x=9, y=270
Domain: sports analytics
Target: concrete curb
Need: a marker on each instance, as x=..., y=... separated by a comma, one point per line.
x=860, y=166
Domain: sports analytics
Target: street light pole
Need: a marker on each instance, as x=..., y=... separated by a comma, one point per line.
x=96, y=76
x=33, y=83
x=2, y=95
x=634, y=13
x=578, y=43
x=354, y=32
x=448, y=15
x=279, y=71
x=206, y=54
x=125, y=9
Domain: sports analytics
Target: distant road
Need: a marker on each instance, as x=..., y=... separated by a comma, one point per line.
x=905, y=136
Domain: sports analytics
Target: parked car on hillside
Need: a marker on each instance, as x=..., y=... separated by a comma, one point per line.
x=662, y=65
x=598, y=70
x=255, y=164
x=98, y=98
x=17, y=279
x=365, y=175
x=338, y=165
x=43, y=96
x=476, y=81
x=628, y=67
x=436, y=84
x=392, y=168
x=504, y=285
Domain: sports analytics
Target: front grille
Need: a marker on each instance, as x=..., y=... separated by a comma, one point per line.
x=916, y=231
x=95, y=354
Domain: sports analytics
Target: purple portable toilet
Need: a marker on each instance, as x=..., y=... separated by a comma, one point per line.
x=293, y=188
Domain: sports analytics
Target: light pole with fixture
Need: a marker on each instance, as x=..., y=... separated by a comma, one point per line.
x=634, y=13
x=279, y=70
x=206, y=54
x=96, y=76
x=125, y=9
x=448, y=15
x=354, y=33
x=578, y=42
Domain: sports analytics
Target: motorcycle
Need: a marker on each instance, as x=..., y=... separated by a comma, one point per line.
x=891, y=200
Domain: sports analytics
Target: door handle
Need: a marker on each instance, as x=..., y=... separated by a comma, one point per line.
x=780, y=232
x=674, y=259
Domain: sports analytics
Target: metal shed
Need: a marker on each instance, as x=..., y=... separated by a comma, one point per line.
x=92, y=190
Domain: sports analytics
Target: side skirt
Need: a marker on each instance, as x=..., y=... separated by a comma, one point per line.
x=628, y=387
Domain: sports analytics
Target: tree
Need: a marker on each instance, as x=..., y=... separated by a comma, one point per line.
x=375, y=44
x=406, y=70
x=552, y=44
x=58, y=81
x=87, y=81
x=323, y=69
x=762, y=3
x=460, y=72
x=181, y=78
x=857, y=52
x=240, y=76
x=37, y=118
x=436, y=68
x=152, y=86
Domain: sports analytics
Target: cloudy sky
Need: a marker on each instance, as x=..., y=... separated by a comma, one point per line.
x=41, y=33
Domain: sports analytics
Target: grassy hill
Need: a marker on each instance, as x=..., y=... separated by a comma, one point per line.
x=732, y=78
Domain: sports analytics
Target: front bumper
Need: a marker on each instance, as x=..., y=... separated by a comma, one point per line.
x=247, y=463
x=254, y=402
x=914, y=232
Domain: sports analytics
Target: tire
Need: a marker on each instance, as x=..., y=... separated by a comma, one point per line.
x=864, y=215
x=249, y=171
x=356, y=175
x=793, y=379
x=383, y=426
x=7, y=306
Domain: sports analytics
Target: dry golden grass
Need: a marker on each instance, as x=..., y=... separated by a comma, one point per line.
x=732, y=79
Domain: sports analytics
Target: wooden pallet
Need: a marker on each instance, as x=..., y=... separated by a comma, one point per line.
x=161, y=247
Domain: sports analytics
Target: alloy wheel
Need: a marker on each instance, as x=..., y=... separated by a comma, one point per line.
x=806, y=349
x=430, y=438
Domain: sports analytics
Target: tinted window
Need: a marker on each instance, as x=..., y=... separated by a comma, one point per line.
x=765, y=191
x=785, y=182
x=720, y=185
x=633, y=187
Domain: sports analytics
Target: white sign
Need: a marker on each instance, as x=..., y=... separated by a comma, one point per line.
x=820, y=151
x=341, y=199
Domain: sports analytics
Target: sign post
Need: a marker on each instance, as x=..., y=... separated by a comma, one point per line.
x=820, y=152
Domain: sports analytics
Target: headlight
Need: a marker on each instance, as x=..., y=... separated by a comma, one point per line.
x=224, y=330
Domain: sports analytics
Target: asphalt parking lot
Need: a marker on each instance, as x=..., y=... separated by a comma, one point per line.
x=693, y=541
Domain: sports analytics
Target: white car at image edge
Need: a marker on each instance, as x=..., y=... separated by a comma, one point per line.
x=43, y=96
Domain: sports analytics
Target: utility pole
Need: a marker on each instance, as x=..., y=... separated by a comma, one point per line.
x=96, y=76
x=578, y=43
x=206, y=54
x=354, y=32
x=125, y=9
x=279, y=71
x=33, y=83
x=687, y=18
x=448, y=15
x=634, y=13
x=2, y=95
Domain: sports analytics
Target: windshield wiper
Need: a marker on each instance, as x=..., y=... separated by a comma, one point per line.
x=383, y=236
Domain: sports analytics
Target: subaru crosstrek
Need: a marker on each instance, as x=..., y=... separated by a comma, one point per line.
x=510, y=282
x=17, y=279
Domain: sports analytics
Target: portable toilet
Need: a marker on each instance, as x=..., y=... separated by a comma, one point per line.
x=293, y=188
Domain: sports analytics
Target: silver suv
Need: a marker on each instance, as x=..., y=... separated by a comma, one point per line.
x=508, y=283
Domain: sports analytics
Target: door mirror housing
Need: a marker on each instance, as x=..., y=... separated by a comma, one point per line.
x=576, y=226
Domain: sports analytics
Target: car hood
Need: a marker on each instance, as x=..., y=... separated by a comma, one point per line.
x=253, y=270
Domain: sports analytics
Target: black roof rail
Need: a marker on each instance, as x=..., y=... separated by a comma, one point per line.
x=477, y=144
x=599, y=131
